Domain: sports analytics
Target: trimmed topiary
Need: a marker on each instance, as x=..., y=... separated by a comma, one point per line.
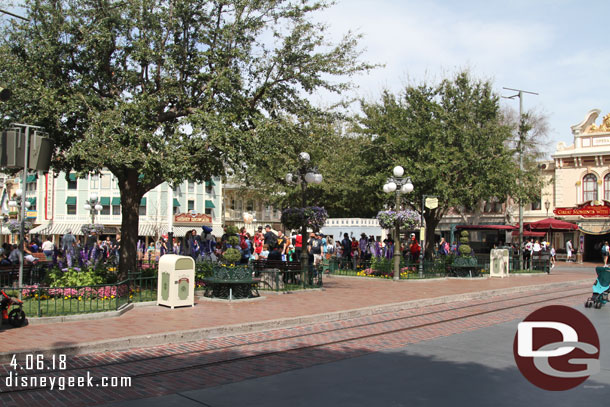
x=231, y=256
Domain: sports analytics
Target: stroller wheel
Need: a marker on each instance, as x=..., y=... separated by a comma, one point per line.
x=598, y=305
x=588, y=304
x=16, y=318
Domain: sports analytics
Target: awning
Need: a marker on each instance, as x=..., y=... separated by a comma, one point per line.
x=176, y=203
x=551, y=224
x=529, y=233
x=32, y=201
x=72, y=177
x=210, y=183
x=71, y=200
x=116, y=200
x=595, y=228
x=105, y=201
x=485, y=227
x=148, y=229
x=209, y=204
x=58, y=228
x=30, y=178
x=143, y=202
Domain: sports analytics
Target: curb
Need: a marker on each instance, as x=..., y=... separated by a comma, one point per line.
x=238, y=329
x=80, y=317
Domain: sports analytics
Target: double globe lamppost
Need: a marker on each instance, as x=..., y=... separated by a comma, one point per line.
x=397, y=184
x=93, y=205
x=305, y=174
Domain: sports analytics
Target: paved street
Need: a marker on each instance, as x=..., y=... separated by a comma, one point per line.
x=474, y=368
x=342, y=361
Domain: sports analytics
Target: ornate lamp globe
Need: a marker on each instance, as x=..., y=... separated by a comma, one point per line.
x=398, y=171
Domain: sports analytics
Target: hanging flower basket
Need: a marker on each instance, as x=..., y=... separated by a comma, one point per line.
x=311, y=216
x=406, y=219
x=88, y=229
x=14, y=226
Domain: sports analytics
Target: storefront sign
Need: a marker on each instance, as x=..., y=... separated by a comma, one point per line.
x=193, y=219
x=587, y=211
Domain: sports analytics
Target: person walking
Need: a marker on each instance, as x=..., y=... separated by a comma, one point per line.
x=48, y=247
x=68, y=242
x=346, y=246
x=569, y=249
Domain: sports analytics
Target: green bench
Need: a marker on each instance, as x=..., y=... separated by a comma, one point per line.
x=230, y=283
x=465, y=267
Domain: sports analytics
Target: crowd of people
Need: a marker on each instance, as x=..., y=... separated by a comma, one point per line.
x=74, y=251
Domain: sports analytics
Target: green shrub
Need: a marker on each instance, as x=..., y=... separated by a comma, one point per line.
x=465, y=250
x=204, y=269
x=231, y=230
x=233, y=241
x=231, y=256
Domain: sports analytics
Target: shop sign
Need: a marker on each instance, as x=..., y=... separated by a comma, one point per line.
x=193, y=219
x=586, y=210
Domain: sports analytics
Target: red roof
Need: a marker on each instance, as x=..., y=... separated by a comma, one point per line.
x=551, y=224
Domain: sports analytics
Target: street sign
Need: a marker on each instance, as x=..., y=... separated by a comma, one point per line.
x=432, y=202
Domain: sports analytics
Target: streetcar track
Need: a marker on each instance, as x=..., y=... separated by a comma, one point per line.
x=302, y=347
x=305, y=334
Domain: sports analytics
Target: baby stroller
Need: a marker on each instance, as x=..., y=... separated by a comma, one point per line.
x=600, y=288
x=15, y=316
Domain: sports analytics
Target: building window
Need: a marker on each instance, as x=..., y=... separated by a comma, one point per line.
x=105, y=210
x=95, y=181
x=191, y=205
x=607, y=187
x=537, y=204
x=142, y=207
x=106, y=181
x=589, y=188
x=116, y=209
x=191, y=186
x=250, y=206
x=71, y=205
x=72, y=183
x=208, y=211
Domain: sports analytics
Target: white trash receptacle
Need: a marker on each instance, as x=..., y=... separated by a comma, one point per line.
x=176, y=286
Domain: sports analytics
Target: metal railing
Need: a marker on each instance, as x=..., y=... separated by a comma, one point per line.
x=290, y=280
x=69, y=300
x=440, y=266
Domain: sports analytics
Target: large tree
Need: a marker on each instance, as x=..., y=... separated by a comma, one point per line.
x=449, y=138
x=164, y=90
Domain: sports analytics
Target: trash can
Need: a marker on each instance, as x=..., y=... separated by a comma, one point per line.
x=176, y=285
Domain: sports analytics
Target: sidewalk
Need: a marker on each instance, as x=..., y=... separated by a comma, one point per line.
x=341, y=298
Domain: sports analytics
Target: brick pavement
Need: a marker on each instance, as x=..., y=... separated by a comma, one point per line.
x=339, y=294
x=428, y=323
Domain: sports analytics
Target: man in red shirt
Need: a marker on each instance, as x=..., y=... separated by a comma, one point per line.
x=298, y=246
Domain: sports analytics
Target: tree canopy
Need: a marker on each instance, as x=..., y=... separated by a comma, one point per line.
x=164, y=90
x=449, y=138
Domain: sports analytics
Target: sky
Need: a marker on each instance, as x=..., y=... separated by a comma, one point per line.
x=556, y=48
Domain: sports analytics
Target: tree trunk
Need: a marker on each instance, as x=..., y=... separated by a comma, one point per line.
x=432, y=218
x=130, y=203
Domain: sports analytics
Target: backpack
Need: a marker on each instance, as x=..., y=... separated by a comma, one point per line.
x=242, y=243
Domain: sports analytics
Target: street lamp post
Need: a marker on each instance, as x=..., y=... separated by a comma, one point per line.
x=397, y=184
x=305, y=174
x=21, y=204
x=520, y=149
x=93, y=205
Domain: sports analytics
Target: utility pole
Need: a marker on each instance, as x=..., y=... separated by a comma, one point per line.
x=520, y=148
